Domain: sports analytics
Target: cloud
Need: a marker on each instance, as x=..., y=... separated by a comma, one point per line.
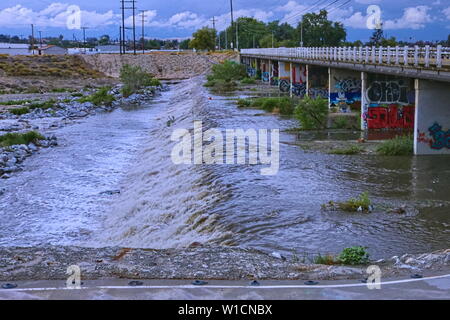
x=54, y=15
x=413, y=18
x=447, y=13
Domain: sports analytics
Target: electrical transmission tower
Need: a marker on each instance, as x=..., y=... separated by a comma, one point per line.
x=133, y=9
x=143, y=16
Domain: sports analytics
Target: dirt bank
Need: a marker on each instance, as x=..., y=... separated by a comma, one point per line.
x=163, y=65
x=227, y=263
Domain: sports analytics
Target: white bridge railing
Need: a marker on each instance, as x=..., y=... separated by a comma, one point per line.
x=416, y=56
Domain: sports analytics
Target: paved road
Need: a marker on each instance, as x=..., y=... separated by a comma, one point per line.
x=437, y=287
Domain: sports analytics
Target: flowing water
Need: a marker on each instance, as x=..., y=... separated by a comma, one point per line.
x=62, y=195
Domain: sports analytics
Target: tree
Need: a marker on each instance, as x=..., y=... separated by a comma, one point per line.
x=448, y=41
x=184, y=45
x=268, y=41
x=104, y=40
x=377, y=37
x=204, y=39
x=318, y=31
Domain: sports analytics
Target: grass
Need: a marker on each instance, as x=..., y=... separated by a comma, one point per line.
x=11, y=139
x=224, y=75
x=399, y=146
x=283, y=105
x=326, y=259
x=361, y=203
x=20, y=111
x=352, y=150
x=248, y=81
x=135, y=78
x=101, y=97
x=43, y=105
x=15, y=102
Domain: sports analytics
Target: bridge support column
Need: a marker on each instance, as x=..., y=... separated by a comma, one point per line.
x=364, y=100
x=291, y=77
x=345, y=90
x=432, y=117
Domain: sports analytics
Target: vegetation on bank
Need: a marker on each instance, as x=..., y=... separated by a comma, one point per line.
x=356, y=255
x=312, y=113
x=399, y=146
x=134, y=79
x=282, y=105
x=351, y=150
x=100, y=97
x=11, y=139
x=224, y=75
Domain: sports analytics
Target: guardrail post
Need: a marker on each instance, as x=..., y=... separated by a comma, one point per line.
x=373, y=54
x=367, y=55
x=360, y=54
x=405, y=55
x=380, y=55
x=396, y=55
x=416, y=55
x=388, y=55
x=439, y=56
x=427, y=56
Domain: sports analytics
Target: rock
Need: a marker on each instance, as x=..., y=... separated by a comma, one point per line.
x=32, y=147
x=277, y=255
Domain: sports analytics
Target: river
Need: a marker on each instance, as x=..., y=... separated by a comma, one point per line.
x=67, y=195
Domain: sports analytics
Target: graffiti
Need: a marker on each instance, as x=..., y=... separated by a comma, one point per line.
x=284, y=85
x=251, y=72
x=315, y=93
x=265, y=76
x=299, y=89
x=348, y=93
x=394, y=117
x=274, y=81
x=441, y=139
x=389, y=92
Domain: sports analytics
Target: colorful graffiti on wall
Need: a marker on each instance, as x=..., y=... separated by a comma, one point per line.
x=390, y=105
x=315, y=93
x=347, y=95
x=440, y=139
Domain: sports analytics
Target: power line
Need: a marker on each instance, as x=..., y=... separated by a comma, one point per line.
x=143, y=30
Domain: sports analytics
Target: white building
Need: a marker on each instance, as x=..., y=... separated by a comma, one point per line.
x=14, y=49
x=50, y=49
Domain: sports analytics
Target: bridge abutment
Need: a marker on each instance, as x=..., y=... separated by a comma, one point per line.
x=432, y=117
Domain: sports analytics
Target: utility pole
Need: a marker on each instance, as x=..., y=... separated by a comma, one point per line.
x=40, y=39
x=232, y=22
x=134, y=26
x=133, y=8
x=215, y=31
x=84, y=37
x=272, y=39
x=120, y=39
x=32, y=39
x=143, y=30
x=301, y=33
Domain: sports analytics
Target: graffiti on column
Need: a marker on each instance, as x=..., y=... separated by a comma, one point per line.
x=299, y=89
x=284, y=85
x=440, y=139
x=389, y=105
x=265, y=76
x=251, y=72
x=347, y=95
x=274, y=81
x=315, y=93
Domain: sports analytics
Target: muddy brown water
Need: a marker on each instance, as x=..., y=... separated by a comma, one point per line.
x=66, y=195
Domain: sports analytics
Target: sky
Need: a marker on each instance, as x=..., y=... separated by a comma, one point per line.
x=404, y=19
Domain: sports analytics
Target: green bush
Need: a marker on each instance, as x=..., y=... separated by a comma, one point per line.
x=244, y=103
x=228, y=71
x=14, y=102
x=354, y=256
x=134, y=78
x=399, y=146
x=20, y=111
x=11, y=139
x=100, y=97
x=312, y=113
x=326, y=259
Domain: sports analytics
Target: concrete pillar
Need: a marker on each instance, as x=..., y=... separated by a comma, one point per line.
x=345, y=89
x=432, y=117
x=291, y=79
x=307, y=79
x=364, y=101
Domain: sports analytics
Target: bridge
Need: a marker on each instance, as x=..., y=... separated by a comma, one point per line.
x=394, y=88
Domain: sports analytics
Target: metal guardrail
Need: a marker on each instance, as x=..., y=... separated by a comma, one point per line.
x=428, y=57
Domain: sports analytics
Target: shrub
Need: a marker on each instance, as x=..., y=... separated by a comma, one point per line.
x=399, y=146
x=228, y=71
x=244, y=103
x=101, y=97
x=312, y=113
x=134, y=78
x=11, y=139
x=14, y=102
x=348, y=151
x=353, y=256
x=19, y=111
